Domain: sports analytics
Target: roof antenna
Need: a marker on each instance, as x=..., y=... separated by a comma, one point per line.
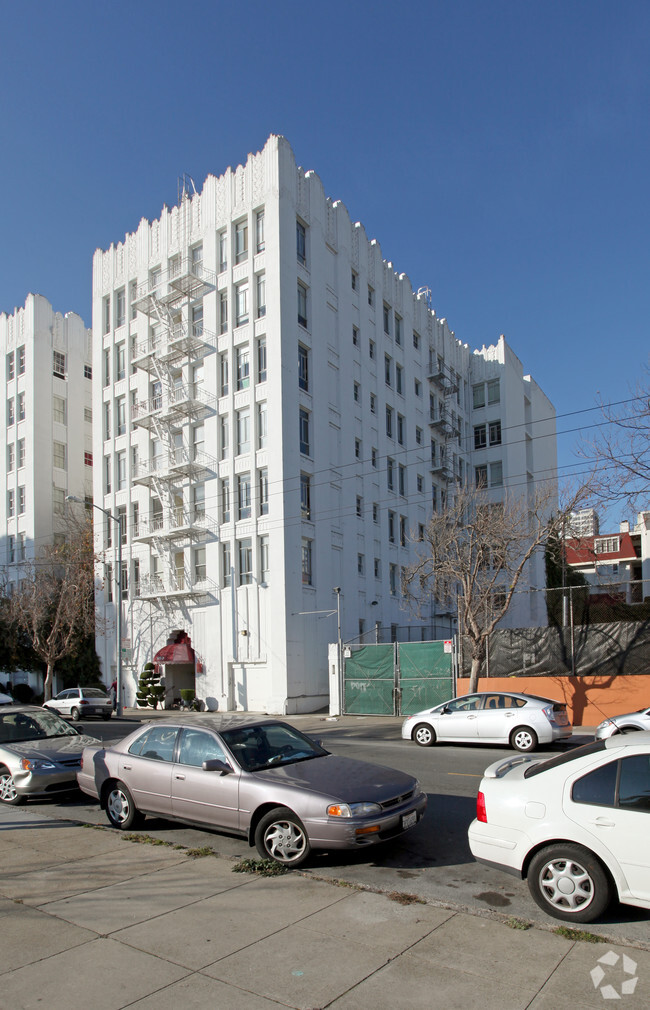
x=184, y=182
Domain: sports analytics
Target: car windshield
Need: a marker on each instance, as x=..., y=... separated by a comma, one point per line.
x=16, y=727
x=270, y=745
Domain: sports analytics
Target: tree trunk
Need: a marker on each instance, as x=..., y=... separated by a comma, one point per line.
x=47, y=683
x=475, y=673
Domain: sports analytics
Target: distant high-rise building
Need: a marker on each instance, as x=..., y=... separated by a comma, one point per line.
x=582, y=523
x=277, y=415
x=46, y=364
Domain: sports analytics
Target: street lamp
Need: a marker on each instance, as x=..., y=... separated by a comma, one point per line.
x=118, y=576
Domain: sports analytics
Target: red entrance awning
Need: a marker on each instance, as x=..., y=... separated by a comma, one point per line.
x=178, y=652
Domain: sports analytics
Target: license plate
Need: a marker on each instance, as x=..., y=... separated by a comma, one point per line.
x=408, y=820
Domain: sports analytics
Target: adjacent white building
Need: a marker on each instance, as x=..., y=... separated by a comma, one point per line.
x=46, y=369
x=276, y=415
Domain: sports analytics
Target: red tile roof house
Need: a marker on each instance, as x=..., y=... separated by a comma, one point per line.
x=615, y=564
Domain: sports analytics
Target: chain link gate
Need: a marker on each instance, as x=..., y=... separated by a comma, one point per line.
x=396, y=679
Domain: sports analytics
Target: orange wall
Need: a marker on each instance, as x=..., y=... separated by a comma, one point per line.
x=588, y=699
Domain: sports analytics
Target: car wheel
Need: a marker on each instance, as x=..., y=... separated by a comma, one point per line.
x=523, y=739
x=629, y=729
x=424, y=735
x=120, y=808
x=8, y=793
x=281, y=836
x=74, y=712
x=569, y=883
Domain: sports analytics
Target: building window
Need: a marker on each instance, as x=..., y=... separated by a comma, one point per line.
x=398, y=329
x=21, y=452
x=419, y=483
x=301, y=243
x=361, y=564
x=386, y=318
x=226, y=565
x=302, y=305
x=392, y=583
x=21, y=406
x=197, y=320
x=107, y=367
x=391, y=527
x=223, y=251
x=478, y=395
x=223, y=375
x=417, y=387
x=11, y=549
x=88, y=459
x=106, y=315
x=495, y=432
x=305, y=496
x=356, y=392
x=401, y=480
x=21, y=360
x=400, y=429
x=241, y=304
x=371, y=296
x=198, y=501
x=387, y=370
x=480, y=436
x=377, y=568
x=480, y=475
x=496, y=474
x=225, y=500
x=390, y=473
x=357, y=448
x=88, y=371
x=135, y=519
x=245, y=555
x=58, y=364
x=265, y=566
x=399, y=379
x=11, y=456
x=224, y=436
x=263, y=489
x=107, y=420
x=120, y=307
x=11, y=368
x=375, y=512
x=133, y=294
x=416, y=340
x=243, y=496
x=121, y=471
x=354, y=280
x=371, y=350
x=304, y=431
x=120, y=415
x=303, y=367
x=243, y=431
x=223, y=311
x=120, y=361
x=261, y=359
x=11, y=503
x=21, y=500
x=58, y=501
x=243, y=368
x=262, y=425
x=22, y=539
x=374, y=457
x=59, y=409
x=306, y=551
x=493, y=392
x=107, y=475
x=389, y=422
x=260, y=243
x=359, y=507
x=373, y=403
x=418, y=436
x=402, y=531
x=58, y=455
x=241, y=241
x=260, y=284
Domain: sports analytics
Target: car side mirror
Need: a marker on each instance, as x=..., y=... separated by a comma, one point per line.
x=444, y=711
x=215, y=765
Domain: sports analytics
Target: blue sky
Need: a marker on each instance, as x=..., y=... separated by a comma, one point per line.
x=497, y=150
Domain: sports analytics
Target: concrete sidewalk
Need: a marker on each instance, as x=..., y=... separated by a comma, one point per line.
x=92, y=918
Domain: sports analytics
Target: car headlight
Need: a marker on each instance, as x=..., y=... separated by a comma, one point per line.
x=353, y=809
x=35, y=764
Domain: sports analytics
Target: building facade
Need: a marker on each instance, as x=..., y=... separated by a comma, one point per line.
x=277, y=413
x=615, y=565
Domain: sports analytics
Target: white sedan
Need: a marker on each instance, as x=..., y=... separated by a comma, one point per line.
x=521, y=720
x=576, y=826
x=628, y=723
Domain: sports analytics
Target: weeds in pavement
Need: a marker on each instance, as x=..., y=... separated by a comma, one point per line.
x=263, y=867
x=405, y=899
x=205, y=850
x=148, y=840
x=578, y=934
x=516, y=923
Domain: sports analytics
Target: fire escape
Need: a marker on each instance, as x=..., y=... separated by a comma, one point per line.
x=171, y=355
x=443, y=421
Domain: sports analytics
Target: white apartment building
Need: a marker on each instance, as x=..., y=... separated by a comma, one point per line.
x=46, y=362
x=276, y=415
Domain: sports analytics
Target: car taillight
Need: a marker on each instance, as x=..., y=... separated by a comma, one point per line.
x=82, y=701
x=481, y=812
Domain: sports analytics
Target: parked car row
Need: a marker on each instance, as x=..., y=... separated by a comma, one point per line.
x=574, y=825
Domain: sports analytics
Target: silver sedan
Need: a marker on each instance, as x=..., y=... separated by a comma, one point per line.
x=628, y=723
x=259, y=779
x=40, y=753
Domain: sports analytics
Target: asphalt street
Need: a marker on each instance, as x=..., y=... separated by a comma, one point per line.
x=433, y=861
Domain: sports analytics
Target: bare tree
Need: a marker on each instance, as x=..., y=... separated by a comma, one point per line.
x=621, y=450
x=54, y=606
x=475, y=555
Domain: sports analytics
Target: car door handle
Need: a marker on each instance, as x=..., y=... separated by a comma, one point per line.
x=182, y=777
x=471, y=717
x=603, y=822
x=127, y=768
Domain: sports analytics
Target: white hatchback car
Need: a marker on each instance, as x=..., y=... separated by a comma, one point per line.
x=521, y=720
x=576, y=826
x=628, y=723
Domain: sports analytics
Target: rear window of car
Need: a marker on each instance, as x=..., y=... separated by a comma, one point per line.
x=562, y=759
x=94, y=692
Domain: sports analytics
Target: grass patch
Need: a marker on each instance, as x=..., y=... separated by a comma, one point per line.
x=263, y=867
x=578, y=934
x=402, y=898
x=204, y=850
x=516, y=923
x=148, y=840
